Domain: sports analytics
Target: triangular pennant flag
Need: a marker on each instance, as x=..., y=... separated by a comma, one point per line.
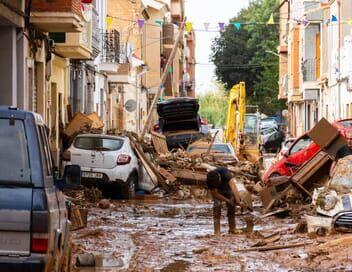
x=271, y=20
x=140, y=23
x=175, y=23
x=237, y=25
x=170, y=69
x=206, y=26
x=189, y=26
x=333, y=18
x=108, y=21
x=159, y=22
x=222, y=26
x=349, y=22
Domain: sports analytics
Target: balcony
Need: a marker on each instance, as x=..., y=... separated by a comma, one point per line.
x=176, y=10
x=96, y=36
x=74, y=45
x=57, y=15
x=110, y=57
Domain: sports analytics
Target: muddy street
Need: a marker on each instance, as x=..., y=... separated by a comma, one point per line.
x=168, y=235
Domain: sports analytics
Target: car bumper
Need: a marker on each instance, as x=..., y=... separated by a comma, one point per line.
x=343, y=221
x=114, y=175
x=28, y=264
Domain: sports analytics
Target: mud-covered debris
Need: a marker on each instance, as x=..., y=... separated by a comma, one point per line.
x=85, y=259
x=104, y=204
x=84, y=195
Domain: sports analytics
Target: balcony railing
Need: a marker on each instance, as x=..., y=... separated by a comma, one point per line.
x=310, y=70
x=96, y=37
x=111, y=47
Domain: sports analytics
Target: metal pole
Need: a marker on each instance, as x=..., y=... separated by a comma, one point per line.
x=162, y=80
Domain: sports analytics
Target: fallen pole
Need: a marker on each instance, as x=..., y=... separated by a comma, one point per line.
x=275, y=247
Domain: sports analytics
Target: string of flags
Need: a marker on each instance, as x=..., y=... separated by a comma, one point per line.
x=220, y=26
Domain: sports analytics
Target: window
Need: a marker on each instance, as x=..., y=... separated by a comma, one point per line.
x=97, y=143
x=300, y=144
x=14, y=159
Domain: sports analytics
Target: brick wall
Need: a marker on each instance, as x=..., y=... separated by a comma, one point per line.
x=57, y=6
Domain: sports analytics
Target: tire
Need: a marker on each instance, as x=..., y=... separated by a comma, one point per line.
x=129, y=191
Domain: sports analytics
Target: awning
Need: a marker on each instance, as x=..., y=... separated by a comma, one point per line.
x=152, y=4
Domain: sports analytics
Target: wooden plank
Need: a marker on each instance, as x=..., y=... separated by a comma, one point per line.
x=159, y=142
x=166, y=174
x=190, y=177
x=323, y=133
x=80, y=122
x=97, y=123
x=275, y=247
x=149, y=166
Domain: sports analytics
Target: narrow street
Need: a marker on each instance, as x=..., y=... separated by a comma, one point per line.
x=170, y=235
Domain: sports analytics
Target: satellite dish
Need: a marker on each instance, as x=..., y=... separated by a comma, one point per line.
x=130, y=105
x=285, y=113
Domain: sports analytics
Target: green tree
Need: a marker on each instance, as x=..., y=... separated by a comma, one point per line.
x=242, y=55
x=213, y=106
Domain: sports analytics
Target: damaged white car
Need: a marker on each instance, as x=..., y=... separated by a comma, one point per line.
x=334, y=200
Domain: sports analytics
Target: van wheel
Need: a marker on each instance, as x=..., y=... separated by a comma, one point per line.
x=129, y=190
x=66, y=264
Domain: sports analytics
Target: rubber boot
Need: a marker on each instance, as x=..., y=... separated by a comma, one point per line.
x=231, y=219
x=216, y=217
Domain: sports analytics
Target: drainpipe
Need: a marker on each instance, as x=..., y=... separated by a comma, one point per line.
x=339, y=64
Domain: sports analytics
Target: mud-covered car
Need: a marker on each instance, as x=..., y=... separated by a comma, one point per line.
x=334, y=201
x=180, y=122
x=105, y=160
x=34, y=228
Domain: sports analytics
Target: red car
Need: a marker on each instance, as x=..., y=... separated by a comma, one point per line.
x=300, y=151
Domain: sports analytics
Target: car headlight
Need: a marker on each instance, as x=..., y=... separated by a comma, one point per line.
x=327, y=200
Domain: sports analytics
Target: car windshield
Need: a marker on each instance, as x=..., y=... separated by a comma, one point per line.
x=98, y=143
x=301, y=144
x=221, y=148
x=342, y=177
x=14, y=157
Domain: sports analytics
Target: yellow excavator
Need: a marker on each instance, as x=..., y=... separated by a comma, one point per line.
x=242, y=125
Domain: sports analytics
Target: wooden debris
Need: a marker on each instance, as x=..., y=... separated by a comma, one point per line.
x=80, y=122
x=280, y=211
x=77, y=220
x=159, y=142
x=273, y=247
x=167, y=175
x=347, y=240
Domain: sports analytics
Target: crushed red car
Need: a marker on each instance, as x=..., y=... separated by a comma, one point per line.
x=299, y=152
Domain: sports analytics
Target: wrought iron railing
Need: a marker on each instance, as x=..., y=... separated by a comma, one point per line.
x=309, y=70
x=111, y=47
x=96, y=37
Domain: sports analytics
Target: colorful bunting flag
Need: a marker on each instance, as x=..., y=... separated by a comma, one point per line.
x=170, y=69
x=237, y=25
x=108, y=21
x=206, y=26
x=349, y=22
x=222, y=26
x=140, y=23
x=189, y=26
x=159, y=22
x=333, y=18
x=271, y=20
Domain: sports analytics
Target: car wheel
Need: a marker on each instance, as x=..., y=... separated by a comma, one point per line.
x=129, y=190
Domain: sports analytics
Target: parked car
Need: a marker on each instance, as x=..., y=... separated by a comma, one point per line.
x=268, y=122
x=333, y=201
x=180, y=122
x=220, y=151
x=299, y=152
x=105, y=160
x=34, y=229
x=285, y=146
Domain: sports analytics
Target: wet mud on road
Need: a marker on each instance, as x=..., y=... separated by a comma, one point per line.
x=165, y=235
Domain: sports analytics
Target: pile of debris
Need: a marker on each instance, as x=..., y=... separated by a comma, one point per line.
x=175, y=170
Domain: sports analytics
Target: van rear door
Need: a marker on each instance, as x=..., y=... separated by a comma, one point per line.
x=15, y=221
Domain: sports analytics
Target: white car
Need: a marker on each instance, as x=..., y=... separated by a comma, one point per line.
x=334, y=201
x=105, y=160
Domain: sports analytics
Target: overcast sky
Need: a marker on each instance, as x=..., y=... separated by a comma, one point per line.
x=206, y=11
